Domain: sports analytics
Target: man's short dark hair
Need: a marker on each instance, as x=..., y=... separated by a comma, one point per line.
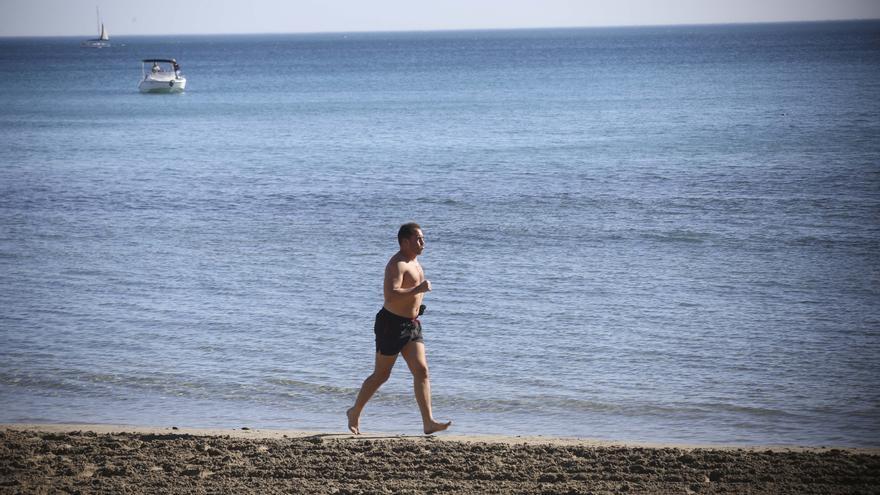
x=406, y=231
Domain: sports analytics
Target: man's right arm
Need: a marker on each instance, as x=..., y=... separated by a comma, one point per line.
x=394, y=283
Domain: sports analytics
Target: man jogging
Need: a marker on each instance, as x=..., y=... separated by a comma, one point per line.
x=399, y=331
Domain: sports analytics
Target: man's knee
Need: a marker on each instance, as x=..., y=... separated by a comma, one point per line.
x=380, y=377
x=420, y=372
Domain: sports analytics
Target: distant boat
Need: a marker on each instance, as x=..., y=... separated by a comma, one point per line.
x=163, y=76
x=103, y=40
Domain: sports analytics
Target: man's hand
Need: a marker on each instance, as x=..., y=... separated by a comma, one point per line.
x=423, y=287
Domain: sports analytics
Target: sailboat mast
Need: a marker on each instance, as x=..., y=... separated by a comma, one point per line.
x=98, y=18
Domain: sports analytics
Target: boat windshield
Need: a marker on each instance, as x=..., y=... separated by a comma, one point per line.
x=161, y=67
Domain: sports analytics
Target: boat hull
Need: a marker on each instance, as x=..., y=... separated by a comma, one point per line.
x=95, y=44
x=175, y=85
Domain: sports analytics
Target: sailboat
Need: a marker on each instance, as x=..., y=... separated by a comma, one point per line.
x=103, y=40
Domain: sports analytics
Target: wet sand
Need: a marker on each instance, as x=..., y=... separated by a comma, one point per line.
x=122, y=459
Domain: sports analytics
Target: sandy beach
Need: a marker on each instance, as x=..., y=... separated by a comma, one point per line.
x=126, y=459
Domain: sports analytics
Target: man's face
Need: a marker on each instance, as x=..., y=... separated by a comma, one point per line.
x=417, y=242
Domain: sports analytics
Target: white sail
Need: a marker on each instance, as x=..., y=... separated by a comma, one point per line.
x=104, y=35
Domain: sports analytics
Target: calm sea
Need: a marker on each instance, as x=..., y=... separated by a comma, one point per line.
x=654, y=234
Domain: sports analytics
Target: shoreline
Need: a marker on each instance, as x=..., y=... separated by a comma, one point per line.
x=271, y=433
x=82, y=458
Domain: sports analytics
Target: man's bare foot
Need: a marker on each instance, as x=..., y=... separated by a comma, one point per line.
x=354, y=422
x=434, y=427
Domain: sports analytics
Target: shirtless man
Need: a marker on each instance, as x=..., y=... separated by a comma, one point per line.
x=398, y=330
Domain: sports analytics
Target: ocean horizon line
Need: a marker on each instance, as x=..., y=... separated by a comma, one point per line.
x=458, y=30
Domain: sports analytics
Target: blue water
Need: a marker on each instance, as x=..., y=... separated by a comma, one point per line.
x=653, y=234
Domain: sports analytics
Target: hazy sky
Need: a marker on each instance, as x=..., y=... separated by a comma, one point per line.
x=123, y=17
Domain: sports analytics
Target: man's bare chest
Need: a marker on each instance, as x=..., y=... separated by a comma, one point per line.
x=414, y=274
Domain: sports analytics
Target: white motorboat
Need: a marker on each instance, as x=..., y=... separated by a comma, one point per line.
x=103, y=39
x=163, y=76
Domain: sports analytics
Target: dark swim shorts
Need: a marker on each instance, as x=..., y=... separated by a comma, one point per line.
x=393, y=332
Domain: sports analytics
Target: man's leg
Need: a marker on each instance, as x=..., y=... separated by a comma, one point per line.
x=414, y=355
x=381, y=372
